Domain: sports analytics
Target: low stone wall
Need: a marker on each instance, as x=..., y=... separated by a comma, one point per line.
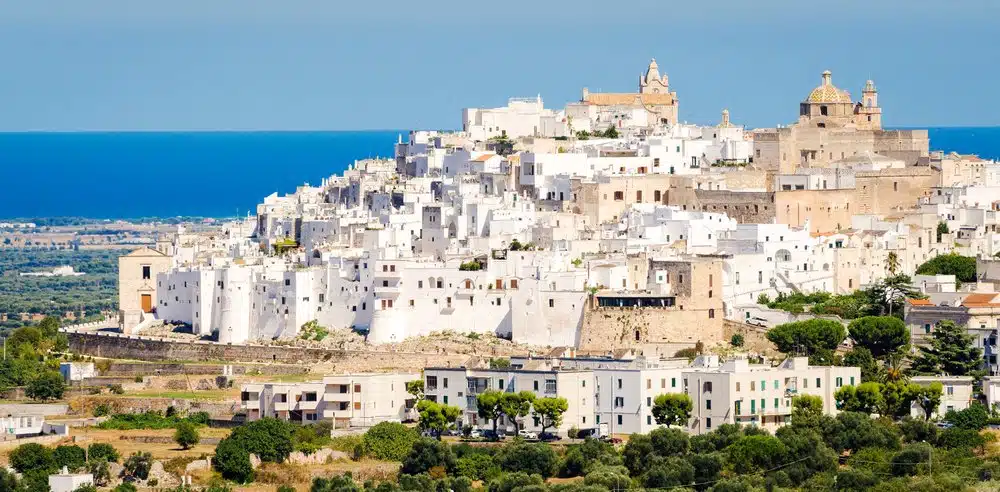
x=132, y=369
x=84, y=405
x=136, y=348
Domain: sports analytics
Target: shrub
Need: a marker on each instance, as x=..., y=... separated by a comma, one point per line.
x=737, y=340
x=72, y=457
x=426, y=454
x=47, y=386
x=533, y=459
x=116, y=389
x=269, y=439
x=102, y=409
x=137, y=465
x=390, y=441
x=32, y=456
x=102, y=451
x=125, y=487
x=232, y=461
x=477, y=466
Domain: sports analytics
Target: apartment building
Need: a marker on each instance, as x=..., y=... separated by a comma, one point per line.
x=460, y=387
x=349, y=400
x=743, y=393
x=956, y=393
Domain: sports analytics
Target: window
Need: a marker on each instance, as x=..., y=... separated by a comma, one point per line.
x=951, y=390
x=445, y=399
x=619, y=401
x=147, y=272
x=656, y=195
x=663, y=383
x=775, y=384
x=708, y=404
x=619, y=420
x=673, y=382
x=775, y=403
x=753, y=385
x=711, y=312
x=817, y=383
x=839, y=382
x=444, y=384
x=649, y=401
x=500, y=384
x=738, y=412
x=708, y=422
x=638, y=196
x=649, y=420
x=763, y=385
x=357, y=387
x=737, y=386
x=680, y=276
x=619, y=196
x=649, y=384
x=852, y=380
x=535, y=386
x=619, y=383
x=357, y=405
x=552, y=303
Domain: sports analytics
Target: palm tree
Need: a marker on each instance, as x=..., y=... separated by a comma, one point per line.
x=892, y=263
x=894, y=368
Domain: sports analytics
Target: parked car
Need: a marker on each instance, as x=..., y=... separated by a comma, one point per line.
x=612, y=440
x=526, y=434
x=476, y=434
x=945, y=425
x=756, y=321
x=548, y=436
x=490, y=435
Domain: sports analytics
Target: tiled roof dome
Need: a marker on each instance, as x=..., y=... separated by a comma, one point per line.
x=828, y=93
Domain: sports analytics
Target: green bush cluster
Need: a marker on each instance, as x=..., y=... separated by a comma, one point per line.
x=152, y=420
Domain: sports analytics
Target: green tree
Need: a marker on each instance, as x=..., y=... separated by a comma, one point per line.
x=975, y=417
x=737, y=340
x=530, y=458
x=670, y=442
x=336, y=483
x=962, y=267
x=100, y=470
x=427, y=454
x=887, y=295
x=916, y=430
x=929, y=398
x=389, y=441
x=125, y=487
x=881, y=335
x=47, y=386
x=437, y=417
x=232, y=460
x=477, y=466
x=862, y=358
x=488, y=406
x=611, y=132
x=137, y=465
x=637, y=453
x=754, y=454
x=416, y=388
x=268, y=438
x=807, y=337
x=32, y=456
x=549, y=411
x=516, y=406
x=865, y=398
x=897, y=398
x=71, y=456
x=103, y=451
x=668, y=473
x=806, y=410
x=950, y=352
x=522, y=482
x=672, y=409
x=186, y=435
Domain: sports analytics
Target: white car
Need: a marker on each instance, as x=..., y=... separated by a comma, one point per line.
x=755, y=321
x=525, y=434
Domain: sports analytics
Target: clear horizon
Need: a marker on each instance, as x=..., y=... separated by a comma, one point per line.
x=310, y=65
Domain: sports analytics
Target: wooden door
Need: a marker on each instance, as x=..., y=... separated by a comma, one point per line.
x=147, y=303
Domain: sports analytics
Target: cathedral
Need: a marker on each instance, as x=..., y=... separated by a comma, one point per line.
x=831, y=127
x=653, y=98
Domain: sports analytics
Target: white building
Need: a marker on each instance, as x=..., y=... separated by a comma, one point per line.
x=956, y=394
x=460, y=387
x=349, y=400
x=522, y=117
x=68, y=482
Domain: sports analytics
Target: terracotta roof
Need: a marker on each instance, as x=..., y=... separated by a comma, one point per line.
x=628, y=98
x=978, y=299
x=919, y=302
x=484, y=158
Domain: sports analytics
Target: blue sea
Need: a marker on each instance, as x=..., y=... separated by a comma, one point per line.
x=168, y=174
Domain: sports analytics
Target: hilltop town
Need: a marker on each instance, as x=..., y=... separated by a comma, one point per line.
x=581, y=277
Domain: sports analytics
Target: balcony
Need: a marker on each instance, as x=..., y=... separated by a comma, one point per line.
x=307, y=405
x=282, y=406
x=250, y=404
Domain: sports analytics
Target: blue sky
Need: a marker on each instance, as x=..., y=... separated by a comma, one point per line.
x=317, y=65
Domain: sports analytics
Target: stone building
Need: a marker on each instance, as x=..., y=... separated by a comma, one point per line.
x=832, y=127
x=674, y=302
x=654, y=100
x=137, y=273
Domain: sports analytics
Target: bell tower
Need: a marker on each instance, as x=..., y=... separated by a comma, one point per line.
x=868, y=114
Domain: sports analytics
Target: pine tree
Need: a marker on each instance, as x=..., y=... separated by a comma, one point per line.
x=950, y=352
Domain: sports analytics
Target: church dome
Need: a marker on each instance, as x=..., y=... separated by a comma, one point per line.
x=828, y=93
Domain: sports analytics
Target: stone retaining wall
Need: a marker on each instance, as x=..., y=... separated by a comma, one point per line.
x=343, y=360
